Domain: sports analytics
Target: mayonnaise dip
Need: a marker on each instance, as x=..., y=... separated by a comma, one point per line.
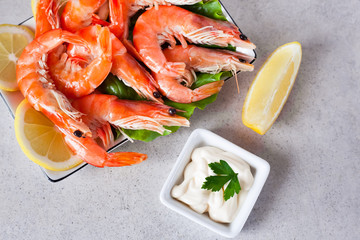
x=201, y=200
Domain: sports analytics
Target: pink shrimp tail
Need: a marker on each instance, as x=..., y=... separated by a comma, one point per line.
x=207, y=90
x=119, y=19
x=120, y=159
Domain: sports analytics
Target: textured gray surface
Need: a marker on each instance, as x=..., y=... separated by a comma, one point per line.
x=313, y=188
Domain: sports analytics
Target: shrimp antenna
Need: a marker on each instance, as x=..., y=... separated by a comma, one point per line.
x=233, y=71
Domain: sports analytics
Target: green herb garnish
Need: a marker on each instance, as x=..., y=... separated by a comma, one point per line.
x=224, y=174
x=211, y=9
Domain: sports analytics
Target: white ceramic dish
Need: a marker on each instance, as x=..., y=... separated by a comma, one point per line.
x=259, y=168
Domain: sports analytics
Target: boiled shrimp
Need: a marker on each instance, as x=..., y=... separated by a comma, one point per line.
x=128, y=8
x=168, y=23
x=120, y=17
x=207, y=60
x=81, y=13
x=124, y=66
x=80, y=75
x=201, y=60
x=129, y=114
x=89, y=151
x=38, y=88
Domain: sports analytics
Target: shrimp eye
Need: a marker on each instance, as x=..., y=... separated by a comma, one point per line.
x=78, y=133
x=243, y=37
x=172, y=111
x=156, y=94
x=242, y=60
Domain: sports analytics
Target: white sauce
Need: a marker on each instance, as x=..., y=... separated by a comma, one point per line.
x=201, y=200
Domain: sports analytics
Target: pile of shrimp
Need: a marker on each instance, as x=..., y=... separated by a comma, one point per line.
x=73, y=52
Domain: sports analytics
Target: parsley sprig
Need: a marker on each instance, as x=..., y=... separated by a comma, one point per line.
x=224, y=174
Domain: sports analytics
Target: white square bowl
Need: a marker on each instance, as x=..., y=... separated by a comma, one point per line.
x=259, y=168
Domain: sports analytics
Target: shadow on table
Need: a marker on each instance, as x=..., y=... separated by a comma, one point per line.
x=279, y=171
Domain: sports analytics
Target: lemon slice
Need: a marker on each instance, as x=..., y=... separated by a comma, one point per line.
x=271, y=87
x=13, y=40
x=41, y=141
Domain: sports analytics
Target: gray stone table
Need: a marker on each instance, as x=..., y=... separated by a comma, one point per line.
x=313, y=148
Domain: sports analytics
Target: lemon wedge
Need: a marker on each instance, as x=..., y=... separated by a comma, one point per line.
x=271, y=87
x=13, y=40
x=41, y=141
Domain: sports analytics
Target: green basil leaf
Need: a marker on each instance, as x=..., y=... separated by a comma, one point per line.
x=211, y=9
x=113, y=86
